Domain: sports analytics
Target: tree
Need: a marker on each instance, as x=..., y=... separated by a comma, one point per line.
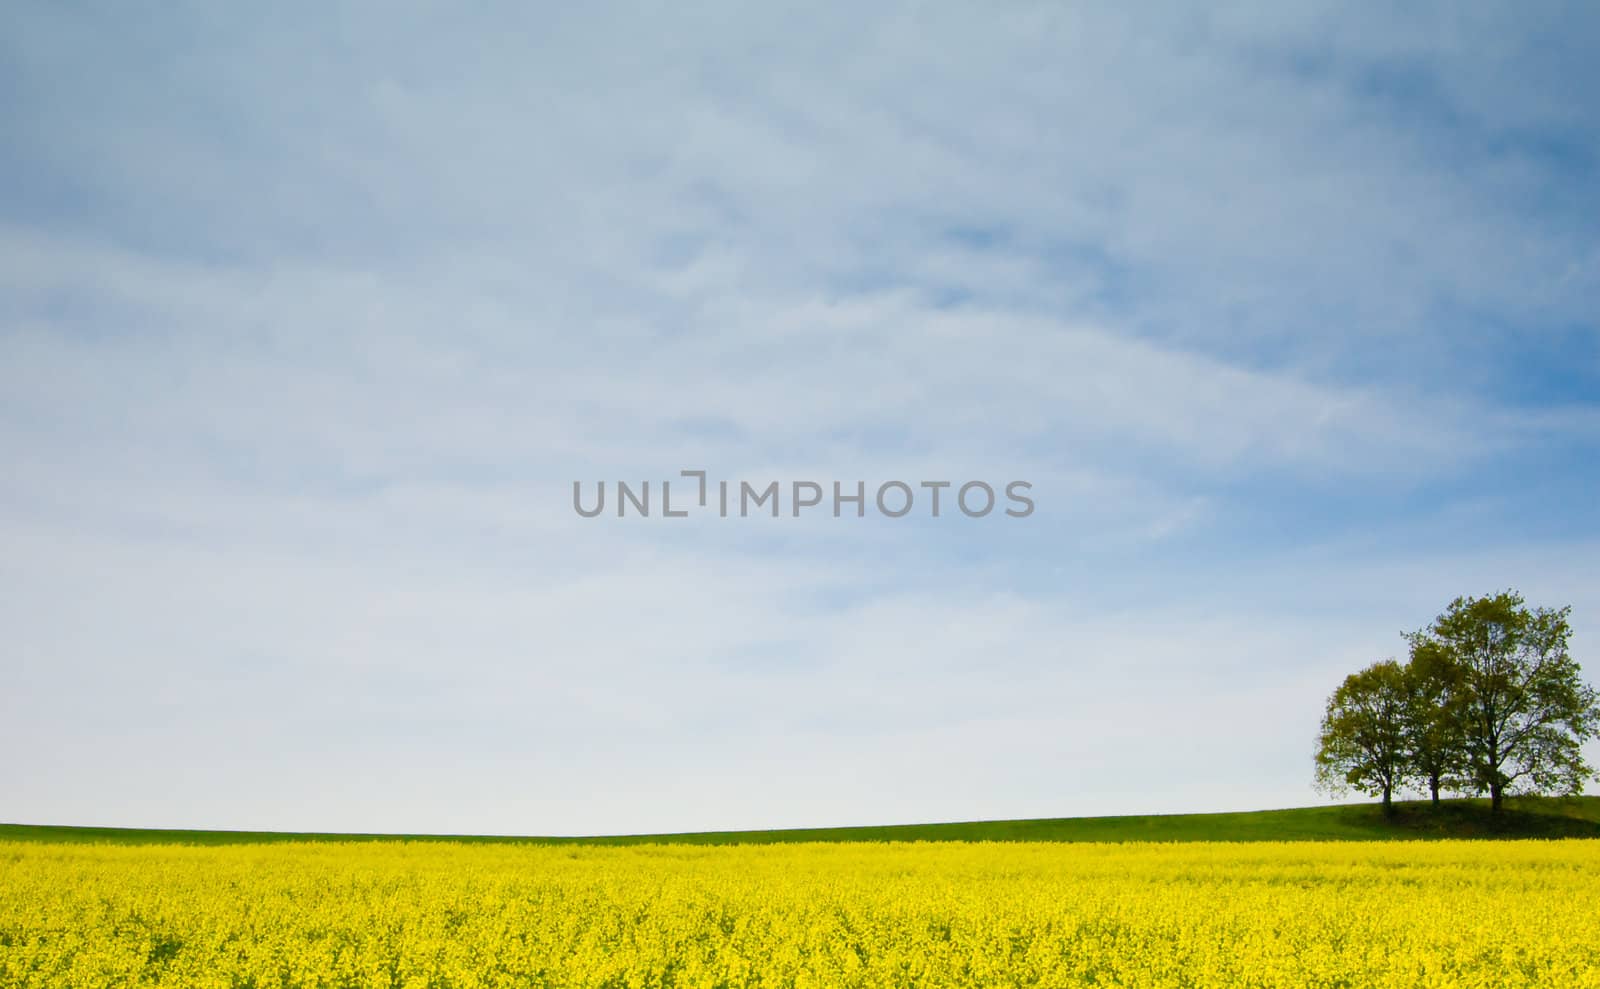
x=1437, y=753
x=1520, y=709
x=1363, y=744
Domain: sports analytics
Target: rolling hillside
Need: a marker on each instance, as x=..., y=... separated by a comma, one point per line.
x=1528, y=817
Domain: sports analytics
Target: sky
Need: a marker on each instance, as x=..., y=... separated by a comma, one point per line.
x=311, y=316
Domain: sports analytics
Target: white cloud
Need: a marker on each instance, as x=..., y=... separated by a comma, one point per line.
x=303, y=338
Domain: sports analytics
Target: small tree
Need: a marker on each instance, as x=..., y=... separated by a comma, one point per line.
x=1437, y=752
x=1520, y=710
x=1363, y=744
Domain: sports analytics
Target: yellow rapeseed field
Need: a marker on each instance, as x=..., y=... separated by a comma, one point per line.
x=817, y=915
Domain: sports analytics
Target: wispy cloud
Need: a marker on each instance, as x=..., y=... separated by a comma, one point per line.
x=307, y=324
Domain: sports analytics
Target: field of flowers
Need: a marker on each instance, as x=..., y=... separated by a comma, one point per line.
x=823, y=915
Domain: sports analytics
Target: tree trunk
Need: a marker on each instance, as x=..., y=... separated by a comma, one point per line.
x=1496, y=797
x=1388, y=804
x=1433, y=785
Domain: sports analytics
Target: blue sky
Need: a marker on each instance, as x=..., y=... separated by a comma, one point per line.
x=310, y=317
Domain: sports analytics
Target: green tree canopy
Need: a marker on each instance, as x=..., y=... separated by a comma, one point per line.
x=1514, y=700
x=1363, y=744
x=1434, y=739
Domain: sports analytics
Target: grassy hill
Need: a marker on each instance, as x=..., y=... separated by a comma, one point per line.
x=1527, y=817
